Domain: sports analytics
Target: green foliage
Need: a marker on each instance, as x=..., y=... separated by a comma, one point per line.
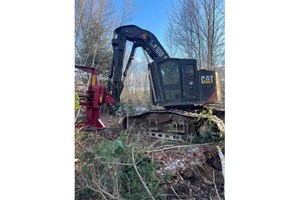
x=207, y=128
x=85, y=194
x=131, y=184
x=80, y=135
x=208, y=138
x=111, y=151
x=77, y=101
x=168, y=177
x=112, y=163
x=206, y=113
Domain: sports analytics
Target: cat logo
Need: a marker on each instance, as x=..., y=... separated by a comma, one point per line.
x=207, y=79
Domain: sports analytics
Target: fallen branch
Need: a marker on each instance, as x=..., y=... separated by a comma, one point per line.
x=139, y=175
x=99, y=190
x=177, y=147
x=175, y=192
x=81, y=144
x=77, y=114
x=222, y=158
x=216, y=186
x=103, y=191
x=131, y=125
x=115, y=163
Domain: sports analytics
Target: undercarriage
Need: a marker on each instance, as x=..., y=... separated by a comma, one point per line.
x=203, y=125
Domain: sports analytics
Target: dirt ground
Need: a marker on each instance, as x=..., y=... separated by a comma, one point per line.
x=196, y=172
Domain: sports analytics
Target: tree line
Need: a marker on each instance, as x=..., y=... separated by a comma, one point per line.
x=196, y=30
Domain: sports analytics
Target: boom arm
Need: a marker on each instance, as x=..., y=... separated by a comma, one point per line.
x=139, y=38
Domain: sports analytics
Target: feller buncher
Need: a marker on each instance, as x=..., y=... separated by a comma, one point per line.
x=190, y=97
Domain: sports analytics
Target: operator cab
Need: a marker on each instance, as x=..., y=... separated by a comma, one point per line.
x=177, y=82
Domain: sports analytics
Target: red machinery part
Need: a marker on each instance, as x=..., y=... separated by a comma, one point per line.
x=95, y=96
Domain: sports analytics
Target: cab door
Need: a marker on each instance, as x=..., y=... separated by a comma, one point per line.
x=189, y=80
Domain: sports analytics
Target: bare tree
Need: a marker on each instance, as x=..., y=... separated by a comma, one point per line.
x=128, y=11
x=93, y=27
x=197, y=29
x=137, y=83
x=214, y=30
x=169, y=38
x=95, y=21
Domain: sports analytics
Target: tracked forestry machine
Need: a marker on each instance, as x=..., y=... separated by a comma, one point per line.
x=190, y=97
